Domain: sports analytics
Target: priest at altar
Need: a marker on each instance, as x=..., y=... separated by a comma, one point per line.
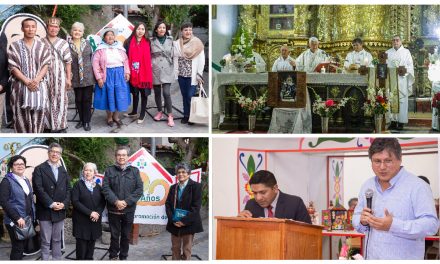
x=399, y=56
x=284, y=61
x=312, y=57
x=260, y=64
x=358, y=57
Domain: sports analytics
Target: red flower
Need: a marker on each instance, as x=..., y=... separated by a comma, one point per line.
x=380, y=99
x=329, y=103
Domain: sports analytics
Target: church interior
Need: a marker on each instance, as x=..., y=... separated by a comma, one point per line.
x=264, y=29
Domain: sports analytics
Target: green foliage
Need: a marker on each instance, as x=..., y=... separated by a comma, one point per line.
x=68, y=13
x=199, y=15
x=122, y=141
x=175, y=15
x=199, y=159
x=77, y=151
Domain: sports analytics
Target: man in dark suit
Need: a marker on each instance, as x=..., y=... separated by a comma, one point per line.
x=52, y=190
x=270, y=202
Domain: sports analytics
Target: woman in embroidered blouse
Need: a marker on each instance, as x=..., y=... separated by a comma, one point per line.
x=188, y=66
x=162, y=51
x=139, y=59
x=110, y=66
x=82, y=75
x=16, y=199
x=88, y=203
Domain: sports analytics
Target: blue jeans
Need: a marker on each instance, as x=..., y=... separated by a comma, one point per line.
x=187, y=91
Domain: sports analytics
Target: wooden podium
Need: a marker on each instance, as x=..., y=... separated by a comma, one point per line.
x=267, y=238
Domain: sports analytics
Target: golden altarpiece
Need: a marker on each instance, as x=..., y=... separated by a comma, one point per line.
x=336, y=26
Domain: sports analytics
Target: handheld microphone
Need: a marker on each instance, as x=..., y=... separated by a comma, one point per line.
x=369, y=195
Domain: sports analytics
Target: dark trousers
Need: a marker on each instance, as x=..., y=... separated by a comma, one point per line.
x=187, y=90
x=17, y=245
x=85, y=249
x=165, y=89
x=83, y=102
x=143, y=93
x=120, y=227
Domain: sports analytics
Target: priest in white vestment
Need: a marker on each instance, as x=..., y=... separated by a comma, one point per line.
x=284, y=62
x=400, y=56
x=260, y=64
x=358, y=57
x=312, y=57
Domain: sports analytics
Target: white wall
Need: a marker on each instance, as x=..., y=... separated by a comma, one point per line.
x=223, y=29
x=358, y=169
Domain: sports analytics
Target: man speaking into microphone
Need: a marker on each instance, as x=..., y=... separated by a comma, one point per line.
x=401, y=212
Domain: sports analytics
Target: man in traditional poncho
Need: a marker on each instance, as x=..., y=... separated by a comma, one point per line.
x=59, y=78
x=28, y=59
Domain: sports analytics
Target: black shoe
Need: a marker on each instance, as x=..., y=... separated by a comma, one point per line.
x=80, y=124
x=87, y=127
x=399, y=126
x=190, y=123
x=184, y=120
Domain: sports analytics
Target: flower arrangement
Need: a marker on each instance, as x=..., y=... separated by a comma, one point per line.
x=250, y=106
x=377, y=103
x=329, y=107
x=242, y=43
x=346, y=252
x=238, y=60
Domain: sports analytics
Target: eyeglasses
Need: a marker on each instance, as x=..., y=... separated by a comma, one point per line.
x=55, y=152
x=387, y=162
x=18, y=164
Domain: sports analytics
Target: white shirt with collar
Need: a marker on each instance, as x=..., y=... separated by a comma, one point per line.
x=282, y=64
x=274, y=206
x=358, y=58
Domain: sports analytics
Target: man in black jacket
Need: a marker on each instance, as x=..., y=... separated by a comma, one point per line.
x=52, y=190
x=185, y=197
x=122, y=189
x=270, y=202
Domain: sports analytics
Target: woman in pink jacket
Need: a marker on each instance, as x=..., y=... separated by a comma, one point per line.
x=110, y=66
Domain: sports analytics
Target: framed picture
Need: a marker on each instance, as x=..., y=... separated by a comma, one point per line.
x=382, y=71
x=287, y=89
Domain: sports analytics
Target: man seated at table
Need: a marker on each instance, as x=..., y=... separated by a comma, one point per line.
x=284, y=61
x=312, y=57
x=270, y=202
x=358, y=57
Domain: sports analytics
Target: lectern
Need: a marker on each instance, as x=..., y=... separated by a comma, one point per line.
x=267, y=238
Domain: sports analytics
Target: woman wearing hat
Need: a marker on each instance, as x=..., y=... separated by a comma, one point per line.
x=82, y=74
x=112, y=72
x=139, y=58
x=190, y=57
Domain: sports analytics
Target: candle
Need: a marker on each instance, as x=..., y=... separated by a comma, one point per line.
x=366, y=62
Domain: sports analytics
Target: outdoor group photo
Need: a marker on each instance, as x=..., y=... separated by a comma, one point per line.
x=101, y=69
x=104, y=199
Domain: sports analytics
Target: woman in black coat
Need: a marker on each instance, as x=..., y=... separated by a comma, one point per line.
x=88, y=203
x=185, y=195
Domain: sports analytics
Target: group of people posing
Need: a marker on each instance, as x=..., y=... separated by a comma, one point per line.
x=398, y=56
x=121, y=189
x=43, y=70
